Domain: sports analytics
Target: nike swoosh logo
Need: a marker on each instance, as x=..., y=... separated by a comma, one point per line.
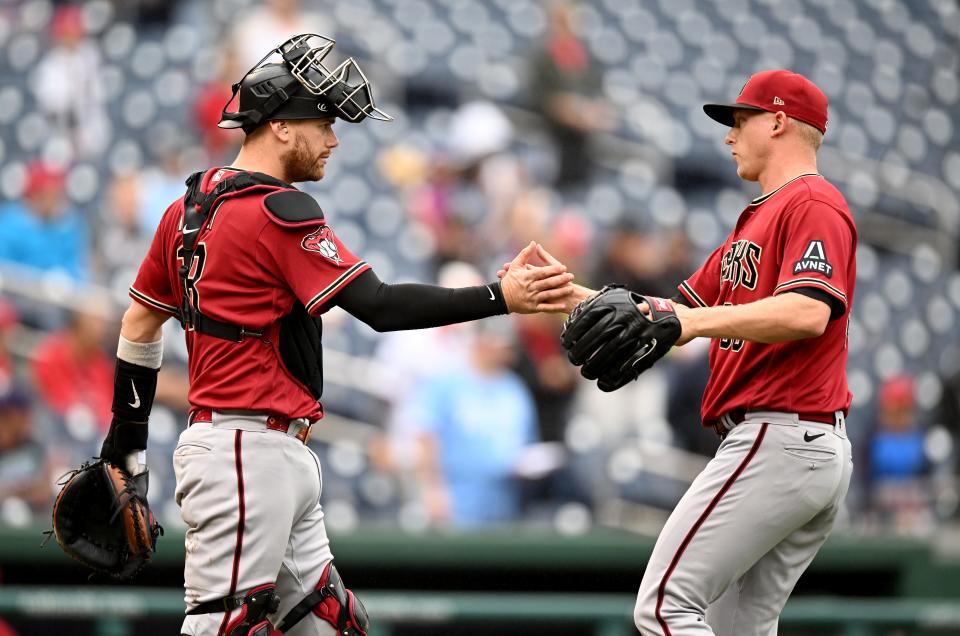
x=490, y=289
x=136, y=398
x=807, y=437
x=186, y=231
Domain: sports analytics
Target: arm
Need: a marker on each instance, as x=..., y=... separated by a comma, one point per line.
x=139, y=354
x=416, y=306
x=770, y=320
x=140, y=324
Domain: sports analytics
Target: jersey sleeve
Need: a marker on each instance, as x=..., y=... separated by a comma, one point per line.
x=152, y=287
x=816, y=245
x=703, y=288
x=312, y=260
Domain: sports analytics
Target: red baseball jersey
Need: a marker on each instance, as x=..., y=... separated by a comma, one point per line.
x=799, y=236
x=248, y=269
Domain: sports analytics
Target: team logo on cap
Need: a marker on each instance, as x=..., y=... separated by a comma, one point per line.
x=322, y=242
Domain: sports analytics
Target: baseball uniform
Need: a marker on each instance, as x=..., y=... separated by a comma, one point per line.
x=247, y=263
x=249, y=268
x=754, y=519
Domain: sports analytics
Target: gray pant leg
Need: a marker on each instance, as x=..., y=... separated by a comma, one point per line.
x=307, y=554
x=759, y=596
x=692, y=564
x=723, y=611
x=283, y=522
x=751, y=497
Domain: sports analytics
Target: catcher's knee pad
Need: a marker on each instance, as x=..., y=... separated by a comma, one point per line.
x=254, y=608
x=332, y=602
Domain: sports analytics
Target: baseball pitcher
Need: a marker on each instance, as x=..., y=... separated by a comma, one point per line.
x=775, y=300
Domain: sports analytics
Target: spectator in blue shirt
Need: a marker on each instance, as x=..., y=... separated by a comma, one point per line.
x=42, y=230
x=473, y=422
x=898, y=466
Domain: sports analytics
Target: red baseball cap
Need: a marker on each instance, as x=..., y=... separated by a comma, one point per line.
x=41, y=177
x=897, y=392
x=773, y=91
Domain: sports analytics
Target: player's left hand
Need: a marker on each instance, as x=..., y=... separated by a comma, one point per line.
x=102, y=519
x=529, y=289
x=683, y=315
x=616, y=335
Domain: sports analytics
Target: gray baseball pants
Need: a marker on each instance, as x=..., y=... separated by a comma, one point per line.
x=750, y=524
x=250, y=497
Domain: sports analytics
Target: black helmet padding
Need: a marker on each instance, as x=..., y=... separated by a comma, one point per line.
x=300, y=87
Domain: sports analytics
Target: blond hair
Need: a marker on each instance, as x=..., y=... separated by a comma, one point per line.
x=808, y=134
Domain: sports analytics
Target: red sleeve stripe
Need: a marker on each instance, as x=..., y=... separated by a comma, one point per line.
x=810, y=282
x=335, y=286
x=691, y=295
x=152, y=303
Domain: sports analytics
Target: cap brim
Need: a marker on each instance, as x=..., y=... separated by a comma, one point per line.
x=723, y=113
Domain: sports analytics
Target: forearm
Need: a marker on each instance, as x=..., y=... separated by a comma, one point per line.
x=770, y=320
x=139, y=355
x=414, y=306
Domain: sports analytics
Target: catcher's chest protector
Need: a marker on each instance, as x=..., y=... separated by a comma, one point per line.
x=300, y=333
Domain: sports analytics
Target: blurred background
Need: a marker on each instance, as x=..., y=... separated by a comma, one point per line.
x=473, y=481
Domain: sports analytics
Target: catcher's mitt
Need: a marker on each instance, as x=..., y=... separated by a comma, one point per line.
x=101, y=518
x=613, y=341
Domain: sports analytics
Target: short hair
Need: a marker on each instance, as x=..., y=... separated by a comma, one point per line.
x=810, y=135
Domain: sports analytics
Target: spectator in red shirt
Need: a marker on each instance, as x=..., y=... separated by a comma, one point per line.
x=73, y=374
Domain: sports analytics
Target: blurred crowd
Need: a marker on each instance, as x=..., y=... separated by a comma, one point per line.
x=466, y=426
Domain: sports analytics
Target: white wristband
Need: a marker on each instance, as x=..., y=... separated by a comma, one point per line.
x=145, y=354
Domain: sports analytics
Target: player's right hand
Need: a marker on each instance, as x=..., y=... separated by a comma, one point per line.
x=572, y=295
x=529, y=289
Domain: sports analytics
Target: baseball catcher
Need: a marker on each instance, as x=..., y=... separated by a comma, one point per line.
x=613, y=341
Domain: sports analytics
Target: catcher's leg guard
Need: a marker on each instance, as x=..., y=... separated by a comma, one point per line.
x=254, y=609
x=332, y=602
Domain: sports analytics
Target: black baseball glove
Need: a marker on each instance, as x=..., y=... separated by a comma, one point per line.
x=101, y=518
x=612, y=342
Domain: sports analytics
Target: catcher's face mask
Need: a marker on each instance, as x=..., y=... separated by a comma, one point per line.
x=301, y=86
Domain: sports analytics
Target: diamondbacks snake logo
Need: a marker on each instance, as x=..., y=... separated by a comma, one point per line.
x=321, y=241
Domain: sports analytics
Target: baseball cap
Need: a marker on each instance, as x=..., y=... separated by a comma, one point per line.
x=41, y=177
x=774, y=91
x=897, y=392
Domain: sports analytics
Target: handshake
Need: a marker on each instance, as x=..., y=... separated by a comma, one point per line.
x=613, y=335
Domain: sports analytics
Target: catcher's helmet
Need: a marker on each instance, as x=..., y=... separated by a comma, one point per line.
x=300, y=87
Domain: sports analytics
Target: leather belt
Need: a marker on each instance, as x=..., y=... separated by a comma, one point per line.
x=737, y=416
x=272, y=422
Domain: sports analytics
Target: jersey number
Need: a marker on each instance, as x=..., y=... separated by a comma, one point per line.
x=194, y=273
